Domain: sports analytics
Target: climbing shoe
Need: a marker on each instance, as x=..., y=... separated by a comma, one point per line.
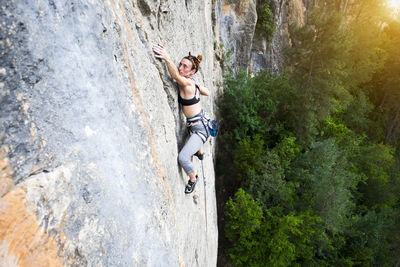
x=190, y=186
x=200, y=156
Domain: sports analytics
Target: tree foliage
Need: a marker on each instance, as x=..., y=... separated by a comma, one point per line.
x=244, y=221
x=273, y=240
x=265, y=19
x=326, y=184
x=316, y=151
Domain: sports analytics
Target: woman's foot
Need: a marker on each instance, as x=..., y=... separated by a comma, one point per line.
x=190, y=186
x=199, y=155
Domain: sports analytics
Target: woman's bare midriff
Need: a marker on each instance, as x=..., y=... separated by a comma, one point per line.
x=192, y=110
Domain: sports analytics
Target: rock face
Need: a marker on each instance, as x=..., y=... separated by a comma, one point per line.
x=237, y=22
x=251, y=51
x=91, y=130
x=90, y=127
x=267, y=54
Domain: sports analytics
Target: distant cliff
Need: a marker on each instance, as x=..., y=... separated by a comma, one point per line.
x=91, y=128
x=251, y=49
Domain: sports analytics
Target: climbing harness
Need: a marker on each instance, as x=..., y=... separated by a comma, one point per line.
x=199, y=118
x=211, y=126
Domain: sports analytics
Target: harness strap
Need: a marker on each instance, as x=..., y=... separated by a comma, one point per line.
x=196, y=118
x=202, y=136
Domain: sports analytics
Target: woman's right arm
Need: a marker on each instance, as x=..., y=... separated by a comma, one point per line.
x=160, y=52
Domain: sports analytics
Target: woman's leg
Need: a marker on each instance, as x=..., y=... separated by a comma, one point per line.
x=193, y=144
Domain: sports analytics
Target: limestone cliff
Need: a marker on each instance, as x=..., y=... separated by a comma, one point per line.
x=90, y=133
x=90, y=127
x=251, y=50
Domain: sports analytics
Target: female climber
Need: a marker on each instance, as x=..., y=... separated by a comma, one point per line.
x=189, y=97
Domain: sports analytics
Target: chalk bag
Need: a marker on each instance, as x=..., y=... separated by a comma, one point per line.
x=213, y=127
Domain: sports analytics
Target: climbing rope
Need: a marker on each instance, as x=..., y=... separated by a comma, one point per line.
x=205, y=193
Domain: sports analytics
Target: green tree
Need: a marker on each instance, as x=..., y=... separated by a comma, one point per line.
x=248, y=157
x=356, y=116
x=317, y=65
x=375, y=162
x=325, y=184
x=270, y=186
x=265, y=19
x=276, y=240
x=244, y=217
x=287, y=150
x=261, y=171
x=366, y=55
x=250, y=106
x=384, y=89
x=289, y=239
x=367, y=243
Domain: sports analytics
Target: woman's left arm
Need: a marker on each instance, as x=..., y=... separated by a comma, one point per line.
x=204, y=90
x=160, y=52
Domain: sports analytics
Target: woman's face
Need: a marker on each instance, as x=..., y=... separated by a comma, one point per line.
x=185, y=68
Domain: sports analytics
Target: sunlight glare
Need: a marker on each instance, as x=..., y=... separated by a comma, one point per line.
x=394, y=4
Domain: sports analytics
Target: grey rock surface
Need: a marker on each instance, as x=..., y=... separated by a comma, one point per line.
x=251, y=51
x=269, y=54
x=237, y=21
x=92, y=129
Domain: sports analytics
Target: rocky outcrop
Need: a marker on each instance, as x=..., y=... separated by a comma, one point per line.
x=237, y=21
x=268, y=53
x=250, y=49
x=90, y=133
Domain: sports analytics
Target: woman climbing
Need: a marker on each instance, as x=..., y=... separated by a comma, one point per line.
x=189, y=97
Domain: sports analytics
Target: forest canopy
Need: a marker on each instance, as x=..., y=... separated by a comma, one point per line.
x=316, y=176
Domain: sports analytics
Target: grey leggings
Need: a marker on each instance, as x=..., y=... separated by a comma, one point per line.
x=192, y=146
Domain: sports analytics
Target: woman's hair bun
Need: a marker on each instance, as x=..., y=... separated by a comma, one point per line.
x=195, y=60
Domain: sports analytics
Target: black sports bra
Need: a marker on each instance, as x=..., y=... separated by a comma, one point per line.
x=191, y=101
